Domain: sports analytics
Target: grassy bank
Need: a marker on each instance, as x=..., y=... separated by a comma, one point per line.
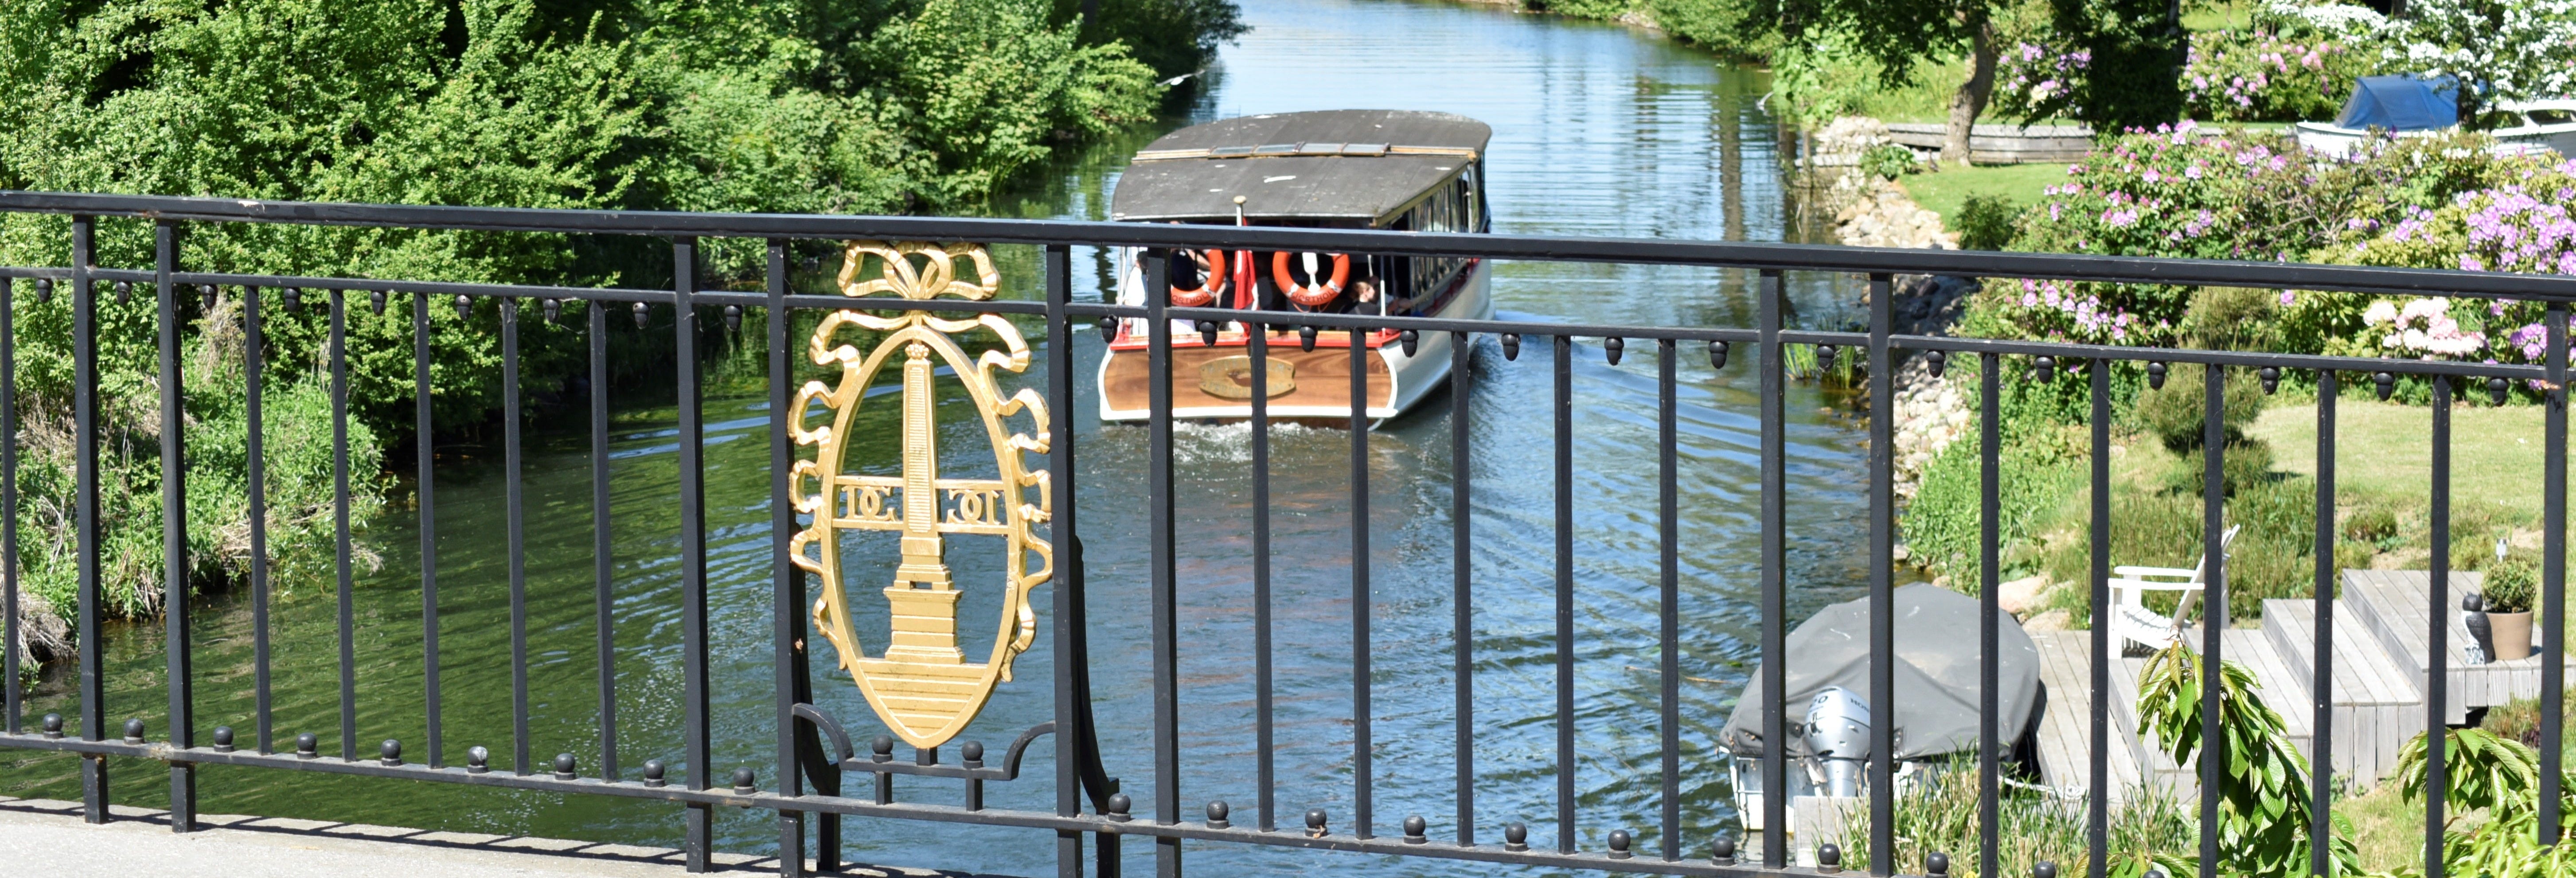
x=2020, y=185
x=2385, y=449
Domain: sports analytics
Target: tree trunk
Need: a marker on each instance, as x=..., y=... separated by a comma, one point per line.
x=1970, y=101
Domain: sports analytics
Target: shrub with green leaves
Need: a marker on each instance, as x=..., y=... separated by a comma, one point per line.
x=2510, y=584
x=849, y=106
x=2263, y=785
x=1888, y=161
x=1986, y=222
x=2496, y=778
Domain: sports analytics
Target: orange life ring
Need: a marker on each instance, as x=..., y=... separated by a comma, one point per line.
x=1211, y=282
x=1318, y=294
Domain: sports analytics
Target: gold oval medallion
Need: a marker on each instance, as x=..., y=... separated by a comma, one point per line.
x=1231, y=377
x=922, y=686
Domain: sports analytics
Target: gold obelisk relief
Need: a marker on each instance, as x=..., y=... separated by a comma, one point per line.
x=922, y=687
x=922, y=602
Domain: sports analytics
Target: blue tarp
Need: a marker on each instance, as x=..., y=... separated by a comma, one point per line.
x=2401, y=103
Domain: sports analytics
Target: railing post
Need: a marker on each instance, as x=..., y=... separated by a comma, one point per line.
x=1561, y=407
x=1058, y=266
x=1990, y=392
x=787, y=594
x=513, y=469
x=2437, y=644
x=340, y=525
x=425, y=442
x=2553, y=574
x=698, y=748
x=1775, y=601
x=1882, y=576
x=93, y=678
x=2098, y=807
x=2321, y=688
x=10, y=708
x=174, y=527
x=603, y=550
x=2213, y=613
x=1161, y=573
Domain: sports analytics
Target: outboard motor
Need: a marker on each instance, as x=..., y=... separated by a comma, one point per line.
x=1838, y=735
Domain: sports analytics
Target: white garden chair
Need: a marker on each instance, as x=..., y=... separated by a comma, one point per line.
x=2130, y=617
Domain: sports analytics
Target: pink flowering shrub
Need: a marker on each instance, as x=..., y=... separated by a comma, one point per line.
x=2526, y=222
x=2033, y=81
x=2247, y=76
x=2196, y=192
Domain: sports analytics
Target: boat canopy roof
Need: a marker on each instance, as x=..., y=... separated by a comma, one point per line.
x=1331, y=164
x=1937, y=671
x=2401, y=102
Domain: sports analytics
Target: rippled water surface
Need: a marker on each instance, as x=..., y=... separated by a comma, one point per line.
x=1598, y=130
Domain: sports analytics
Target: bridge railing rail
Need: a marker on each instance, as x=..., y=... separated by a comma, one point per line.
x=813, y=752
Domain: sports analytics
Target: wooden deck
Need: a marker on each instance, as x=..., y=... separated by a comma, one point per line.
x=2382, y=628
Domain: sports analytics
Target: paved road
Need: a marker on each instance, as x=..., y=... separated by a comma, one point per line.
x=46, y=837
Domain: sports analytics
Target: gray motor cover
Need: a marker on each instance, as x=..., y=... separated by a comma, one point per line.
x=1936, y=674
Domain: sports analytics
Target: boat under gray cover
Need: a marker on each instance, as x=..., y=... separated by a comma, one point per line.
x=1936, y=674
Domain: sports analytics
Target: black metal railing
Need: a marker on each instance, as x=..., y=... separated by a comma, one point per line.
x=813, y=752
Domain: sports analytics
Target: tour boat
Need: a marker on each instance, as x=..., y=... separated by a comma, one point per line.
x=1346, y=169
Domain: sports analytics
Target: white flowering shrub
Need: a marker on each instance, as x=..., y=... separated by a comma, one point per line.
x=2500, y=50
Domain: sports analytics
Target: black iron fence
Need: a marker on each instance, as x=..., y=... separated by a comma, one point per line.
x=813, y=749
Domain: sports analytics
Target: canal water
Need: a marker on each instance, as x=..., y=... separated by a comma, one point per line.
x=1598, y=130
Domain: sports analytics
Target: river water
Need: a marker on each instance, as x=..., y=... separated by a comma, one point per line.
x=1598, y=130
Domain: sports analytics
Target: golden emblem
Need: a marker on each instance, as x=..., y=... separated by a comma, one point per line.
x=922, y=686
x=1231, y=377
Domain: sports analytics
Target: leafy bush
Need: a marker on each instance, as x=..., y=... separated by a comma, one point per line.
x=2519, y=719
x=1942, y=526
x=1747, y=28
x=1985, y=222
x=2375, y=525
x=1888, y=161
x=2131, y=39
x=2263, y=786
x=2272, y=557
x=2176, y=414
x=2510, y=583
x=2485, y=772
x=726, y=105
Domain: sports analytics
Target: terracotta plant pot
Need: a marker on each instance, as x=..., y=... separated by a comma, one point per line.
x=2512, y=633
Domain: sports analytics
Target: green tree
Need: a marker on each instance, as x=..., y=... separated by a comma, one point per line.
x=853, y=106
x=1898, y=34
x=2134, y=66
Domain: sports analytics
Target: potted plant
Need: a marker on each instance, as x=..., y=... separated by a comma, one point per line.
x=2508, y=588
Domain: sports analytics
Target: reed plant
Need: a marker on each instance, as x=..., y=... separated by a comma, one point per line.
x=1939, y=815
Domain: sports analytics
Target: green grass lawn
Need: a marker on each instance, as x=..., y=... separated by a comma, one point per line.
x=1942, y=193
x=2387, y=450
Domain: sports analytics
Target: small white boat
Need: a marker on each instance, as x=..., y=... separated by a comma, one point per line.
x=2407, y=106
x=1356, y=169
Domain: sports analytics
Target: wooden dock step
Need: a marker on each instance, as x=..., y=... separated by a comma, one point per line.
x=2395, y=606
x=2375, y=705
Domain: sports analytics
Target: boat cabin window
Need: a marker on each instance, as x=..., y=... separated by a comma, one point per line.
x=2553, y=117
x=1419, y=283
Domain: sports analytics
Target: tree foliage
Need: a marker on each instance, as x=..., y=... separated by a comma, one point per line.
x=2138, y=46
x=844, y=106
